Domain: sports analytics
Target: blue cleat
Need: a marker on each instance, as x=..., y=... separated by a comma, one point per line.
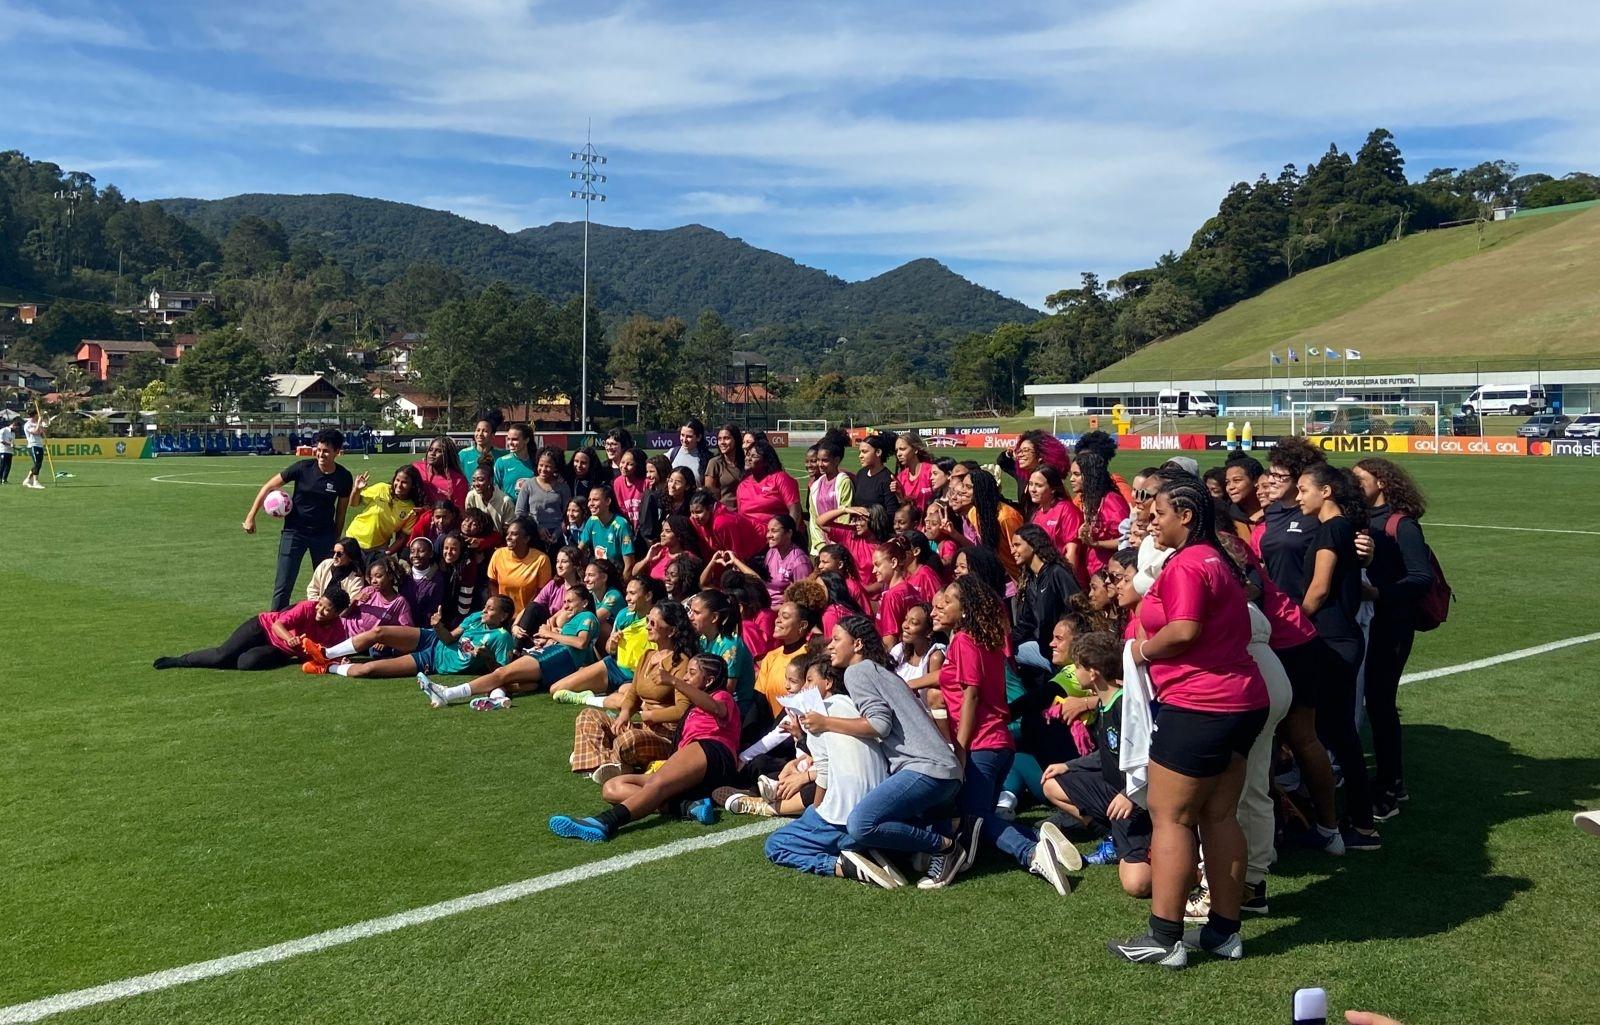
x=704, y=812
x=588, y=830
x=1105, y=854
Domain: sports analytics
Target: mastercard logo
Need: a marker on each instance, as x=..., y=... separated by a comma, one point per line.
x=1539, y=448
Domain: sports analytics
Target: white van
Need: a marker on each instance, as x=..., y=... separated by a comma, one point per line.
x=1504, y=399
x=1186, y=403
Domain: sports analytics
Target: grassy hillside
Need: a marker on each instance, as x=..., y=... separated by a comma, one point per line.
x=1434, y=298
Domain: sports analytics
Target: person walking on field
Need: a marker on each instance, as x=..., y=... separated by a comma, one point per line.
x=8, y=446
x=33, y=431
x=321, y=497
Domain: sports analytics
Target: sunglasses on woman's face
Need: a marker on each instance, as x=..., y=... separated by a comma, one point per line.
x=1143, y=494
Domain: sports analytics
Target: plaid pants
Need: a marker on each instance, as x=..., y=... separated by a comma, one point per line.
x=598, y=738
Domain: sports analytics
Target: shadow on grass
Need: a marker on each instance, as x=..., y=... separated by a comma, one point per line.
x=1435, y=872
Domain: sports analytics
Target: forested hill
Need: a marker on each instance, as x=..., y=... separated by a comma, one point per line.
x=676, y=272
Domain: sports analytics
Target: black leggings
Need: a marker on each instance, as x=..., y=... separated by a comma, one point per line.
x=1388, y=650
x=247, y=649
x=5, y=466
x=38, y=461
x=1336, y=726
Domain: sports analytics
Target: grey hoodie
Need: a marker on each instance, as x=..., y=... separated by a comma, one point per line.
x=905, y=730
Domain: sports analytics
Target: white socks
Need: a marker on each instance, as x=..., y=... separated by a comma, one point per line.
x=460, y=692
x=594, y=700
x=339, y=669
x=344, y=649
x=498, y=693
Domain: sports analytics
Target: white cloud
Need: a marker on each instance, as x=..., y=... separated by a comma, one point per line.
x=722, y=203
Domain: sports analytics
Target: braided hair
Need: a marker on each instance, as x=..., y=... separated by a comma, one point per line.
x=1097, y=482
x=1188, y=493
x=986, y=500
x=865, y=633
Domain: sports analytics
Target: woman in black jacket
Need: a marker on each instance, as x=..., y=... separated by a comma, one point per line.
x=1401, y=572
x=1047, y=585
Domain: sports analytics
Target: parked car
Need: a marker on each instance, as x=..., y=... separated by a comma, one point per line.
x=1545, y=425
x=1465, y=426
x=1585, y=426
x=1345, y=420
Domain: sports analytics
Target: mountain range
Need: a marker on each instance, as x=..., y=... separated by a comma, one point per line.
x=673, y=272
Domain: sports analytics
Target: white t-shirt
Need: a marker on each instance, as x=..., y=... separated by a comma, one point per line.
x=909, y=671
x=847, y=768
x=8, y=439
x=35, y=432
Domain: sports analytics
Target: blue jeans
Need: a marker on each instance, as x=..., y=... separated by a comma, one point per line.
x=809, y=843
x=891, y=815
x=986, y=774
x=292, y=547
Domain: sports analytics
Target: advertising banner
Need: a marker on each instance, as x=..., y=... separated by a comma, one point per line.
x=1565, y=447
x=95, y=448
x=989, y=440
x=662, y=440
x=1364, y=443
x=1469, y=446
x=1220, y=443
x=778, y=439
x=1163, y=442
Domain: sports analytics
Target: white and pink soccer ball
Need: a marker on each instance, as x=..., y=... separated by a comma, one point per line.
x=278, y=504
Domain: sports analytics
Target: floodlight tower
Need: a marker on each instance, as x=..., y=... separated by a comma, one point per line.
x=588, y=179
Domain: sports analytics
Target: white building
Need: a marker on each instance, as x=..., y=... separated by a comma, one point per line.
x=303, y=394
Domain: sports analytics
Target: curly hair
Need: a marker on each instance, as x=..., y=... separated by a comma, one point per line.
x=810, y=594
x=1342, y=489
x=1400, y=491
x=982, y=616
x=1037, y=538
x=1296, y=455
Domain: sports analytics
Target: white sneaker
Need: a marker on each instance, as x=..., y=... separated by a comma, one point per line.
x=1588, y=821
x=767, y=787
x=1051, y=859
x=607, y=772
x=866, y=869
x=432, y=691
x=888, y=867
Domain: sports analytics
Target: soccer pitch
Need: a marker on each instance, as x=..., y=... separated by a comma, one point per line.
x=155, y=821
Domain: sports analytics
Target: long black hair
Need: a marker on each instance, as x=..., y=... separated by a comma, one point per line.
x=1342, y=486
x=839, y=591
x=986, y=499
x=682, y=639
x=724, y=608
x=1097, y=483
x=688, y=538
x=358, y=561
x=1037, y=538
x=984, y=564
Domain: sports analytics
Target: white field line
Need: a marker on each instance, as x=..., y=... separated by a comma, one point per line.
x=77, y=999
x=1523, y=530
x=1495, y=660
x=175, y=478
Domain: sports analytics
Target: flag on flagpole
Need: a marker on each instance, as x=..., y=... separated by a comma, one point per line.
x=1276, y=359
x=1333, y=353
x=1294, y=357
x=1352, y=354
x=1312, y=350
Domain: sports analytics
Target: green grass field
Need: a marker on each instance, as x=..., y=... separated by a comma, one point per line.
x=149, y=821
x=1432, y=300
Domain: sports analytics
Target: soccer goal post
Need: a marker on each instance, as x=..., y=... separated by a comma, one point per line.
x=1355, y=419
x=804, y=432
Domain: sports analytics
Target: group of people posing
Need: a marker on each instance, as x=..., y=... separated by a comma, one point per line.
x=901, y=658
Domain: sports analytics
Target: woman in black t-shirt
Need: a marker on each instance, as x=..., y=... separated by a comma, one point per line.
x=1332, y=597
x=872, y=481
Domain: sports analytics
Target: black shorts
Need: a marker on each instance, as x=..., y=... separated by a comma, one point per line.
x=1203, y=744
x=722, y=768
x=1091, y=794
x=1307, y=666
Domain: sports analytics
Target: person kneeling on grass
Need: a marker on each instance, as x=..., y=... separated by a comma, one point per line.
x=847, y=769
x=703, y=761
x=1090, y=788
x=272, y=640
x=481, y=640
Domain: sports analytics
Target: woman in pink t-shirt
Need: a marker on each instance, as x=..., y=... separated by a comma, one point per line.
x=890, y=562
x=1053, y=510
x=630, y=485
x=271, y=640
x=706, y=758
x=913, y=485
x=1193, y=636
x=1104, y=510
x=767, y=489
x=972, y=683
x=441, y=473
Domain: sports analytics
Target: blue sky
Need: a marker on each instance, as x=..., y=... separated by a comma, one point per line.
x=1020, y=143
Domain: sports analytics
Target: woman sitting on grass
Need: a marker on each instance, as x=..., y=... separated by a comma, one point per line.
x=604, y=745
x=346, y=568
x=626, y=644
x=703, y=761
x=561, y=647
x=481, y=641
x=271, y=640
x=380, y=602
x=382, y=514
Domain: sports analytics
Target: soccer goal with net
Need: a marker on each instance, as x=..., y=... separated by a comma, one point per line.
x=1358, y=418
x=804, y=432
